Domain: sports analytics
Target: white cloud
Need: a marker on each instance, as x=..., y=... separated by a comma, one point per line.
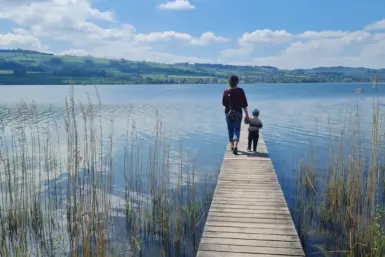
x=75, y=52
x=378, y=25
x=205, y=39
x=266, y=36
x=67, y=20
x=208, y=38
x=71, y=21
x=373, y=54
x=379, y=36
x=18, y=2
x=60, y=12
x=236, y=52
x=13, y=40
x=322, y=34
x=177, y=5
x=317, y=52
x=163, y=36
x=119, y=50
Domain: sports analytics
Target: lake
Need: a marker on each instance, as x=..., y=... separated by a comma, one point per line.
x=296, y=117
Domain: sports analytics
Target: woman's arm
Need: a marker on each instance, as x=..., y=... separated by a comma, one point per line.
x=246, y=112
x=224, y=98
x=245, y=104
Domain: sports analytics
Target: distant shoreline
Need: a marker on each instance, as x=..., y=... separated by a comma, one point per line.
x=131, y=84
x=22, y=67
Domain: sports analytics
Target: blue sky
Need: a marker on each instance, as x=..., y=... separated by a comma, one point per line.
x=281, y=33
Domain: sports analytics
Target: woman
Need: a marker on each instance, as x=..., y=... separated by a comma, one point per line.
x=234, y=100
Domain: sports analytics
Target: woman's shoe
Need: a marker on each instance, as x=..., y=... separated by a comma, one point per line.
x=235, y=150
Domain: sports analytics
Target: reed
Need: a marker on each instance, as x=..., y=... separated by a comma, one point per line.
x=58, y=192
x=339, y=203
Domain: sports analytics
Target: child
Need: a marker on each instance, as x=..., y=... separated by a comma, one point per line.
x=255, y=124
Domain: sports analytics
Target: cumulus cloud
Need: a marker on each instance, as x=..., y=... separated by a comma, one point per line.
x=378, y=25
x=8, y=3
x=236, y=52
x=75, y=52
x=177, y=5
x=72, y=21
x=208, y=38
x=16, y=40
x=205, y=39
x=60, y=12
x=379, y=36
x=163, y=36
x=317, y=52
x=322, y=34
x=266, y=36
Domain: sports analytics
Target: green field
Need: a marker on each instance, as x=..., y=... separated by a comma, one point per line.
x=28, y=67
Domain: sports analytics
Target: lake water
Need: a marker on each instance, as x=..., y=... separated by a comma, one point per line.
x=294, y=115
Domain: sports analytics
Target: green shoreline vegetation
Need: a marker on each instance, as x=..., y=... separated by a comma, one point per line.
x=24, y=67
x=59, y=199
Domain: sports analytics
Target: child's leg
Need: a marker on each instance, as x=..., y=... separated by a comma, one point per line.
x=250, y=140
x=255, y=140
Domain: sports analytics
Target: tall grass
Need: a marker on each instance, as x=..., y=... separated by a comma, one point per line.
x=61, y=200
x=340, y=202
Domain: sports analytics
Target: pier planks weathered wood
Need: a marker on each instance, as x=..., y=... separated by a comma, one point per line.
x=249, y=216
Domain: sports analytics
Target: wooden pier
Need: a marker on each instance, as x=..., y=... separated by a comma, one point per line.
x=249, y=216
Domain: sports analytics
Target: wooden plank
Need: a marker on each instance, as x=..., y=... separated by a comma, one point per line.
x=251, y=249
x=248, y=220
x=251, y=187
x=255, y=199
x=248, y=215
x=202, y=253
x=285, y=238
x=248, y=185
x=281, y=207
x=248, y=225
x=264, y=231
x=272, y=202
x=256, y=195
x=244, y=242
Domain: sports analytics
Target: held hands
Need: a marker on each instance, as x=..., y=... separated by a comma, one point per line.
x=247, y=119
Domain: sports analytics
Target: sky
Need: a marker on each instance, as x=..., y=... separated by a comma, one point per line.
x=281, y=33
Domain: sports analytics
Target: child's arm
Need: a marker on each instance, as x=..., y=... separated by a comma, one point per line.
x=260, y=125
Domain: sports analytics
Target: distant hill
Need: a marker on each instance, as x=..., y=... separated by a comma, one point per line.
x=24, y=67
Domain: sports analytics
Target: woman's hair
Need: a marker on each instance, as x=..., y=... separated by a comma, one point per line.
x=233, y=81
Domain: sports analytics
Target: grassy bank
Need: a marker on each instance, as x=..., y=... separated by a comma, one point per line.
x=340, y=202
x=58, y=197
